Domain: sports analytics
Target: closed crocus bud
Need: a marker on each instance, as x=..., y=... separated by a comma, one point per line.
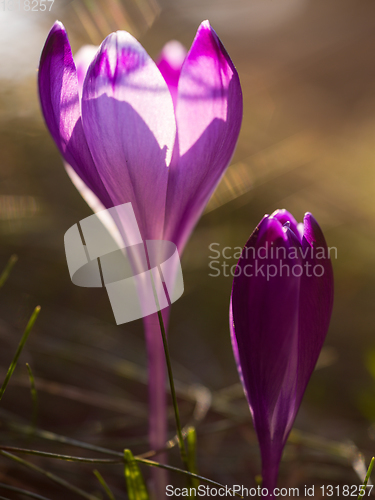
x=281, y=305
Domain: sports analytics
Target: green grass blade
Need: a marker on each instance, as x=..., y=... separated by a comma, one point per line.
x=51, y=436
x=363, y=486
x=106, y=488
x=8, y=268
x=34, y=396
x=58, y=456
x=151, y=463
x=136, y=459
x=50, y=475
x=134, y=479
x=25, y=493
x=21, y=345
x=191, y=438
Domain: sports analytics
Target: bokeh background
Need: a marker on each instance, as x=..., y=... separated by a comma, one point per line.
x=307, y=143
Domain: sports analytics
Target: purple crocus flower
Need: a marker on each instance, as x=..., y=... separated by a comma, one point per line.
x=160, y=138
x=281, y=305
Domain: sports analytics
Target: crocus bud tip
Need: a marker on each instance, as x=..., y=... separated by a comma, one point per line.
x=58, y=25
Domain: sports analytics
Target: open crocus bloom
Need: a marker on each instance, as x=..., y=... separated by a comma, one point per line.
x=158, y=137
x=281, y=305
x=124, y=137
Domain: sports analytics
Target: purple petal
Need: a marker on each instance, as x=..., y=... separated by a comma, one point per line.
x=264, y=330
x=129, y=123
x=316, y=300
x=278, y=326
x=58, y=86
x=170, y=63
x=58, y=91
x=83, y=58
x=208, y=114
x=284, y=217
x=265, y=317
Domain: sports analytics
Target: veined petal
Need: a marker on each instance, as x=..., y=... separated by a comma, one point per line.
x=58, y=91
x=170, y=63
x=129, y=123
x=83, y=58
x=209, y=115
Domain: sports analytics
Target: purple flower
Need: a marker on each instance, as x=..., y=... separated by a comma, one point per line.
x=281, y=305
x=158, y=137
x=124, y=138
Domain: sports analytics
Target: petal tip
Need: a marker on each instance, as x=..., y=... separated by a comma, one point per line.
x=312, y=230
x=205, y=25
x=56, y=44
x=57, y=26
x=57, y=37
x=271, y=229
x=206, y=34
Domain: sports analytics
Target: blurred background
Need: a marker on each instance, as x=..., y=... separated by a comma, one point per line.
x=307, y=69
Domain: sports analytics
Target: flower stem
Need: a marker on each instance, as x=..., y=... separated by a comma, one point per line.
x=157, y=398
x=173, y=394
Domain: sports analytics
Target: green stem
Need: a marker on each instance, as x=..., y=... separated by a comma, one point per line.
x=173, y=394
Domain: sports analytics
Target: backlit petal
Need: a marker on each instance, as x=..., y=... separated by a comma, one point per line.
x=129, y=123
x=58, y=91
x=208, y=114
